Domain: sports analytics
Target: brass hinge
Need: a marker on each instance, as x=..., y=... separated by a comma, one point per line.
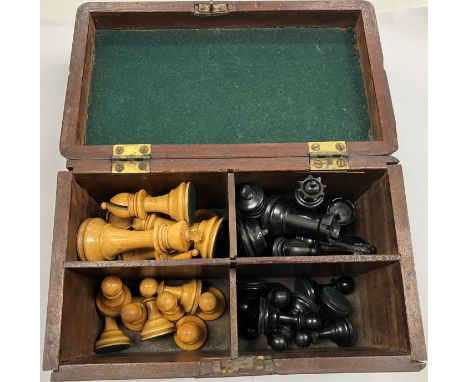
x=211, y=9
x=131, y=159
x=328, y=156
x=225, y=367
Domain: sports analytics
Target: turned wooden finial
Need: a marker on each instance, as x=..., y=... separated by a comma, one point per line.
x=98, y=240
x=112, y=338
x=117, y=222
x=179, y=204
x=187, y=294
x=134, y=316
x=211, y=304
x=185, y=255
x=169, y=307
x=156, y=325
x=112, y=296
x=191, y=333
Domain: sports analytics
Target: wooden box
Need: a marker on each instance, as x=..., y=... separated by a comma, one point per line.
x=222, y=94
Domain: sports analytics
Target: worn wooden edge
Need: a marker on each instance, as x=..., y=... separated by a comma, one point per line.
x=300, y=164
x=145, y=263
x=231, y=188
x=71, y=147
x=233, y=312
x=410, y=287
x=244, y=366
x=51, y=352
x=243, y=261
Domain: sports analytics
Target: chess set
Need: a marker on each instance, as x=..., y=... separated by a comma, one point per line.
x=230, y=204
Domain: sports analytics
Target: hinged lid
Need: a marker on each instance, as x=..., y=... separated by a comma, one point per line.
x=262, y=80
x=328, y=156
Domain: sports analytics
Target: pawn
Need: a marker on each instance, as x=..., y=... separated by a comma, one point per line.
x=295, y=247
x=279, y=297
x=250, y=200
x=191, y=333
x=134, y=316
x=340, y=330
x=168, y=306
x=187, y=294
x=211, y=304
x=112, y=296
x=280, y=338
x=343, y=210
x=302, y=338
x=157, y=325
x=112, y=338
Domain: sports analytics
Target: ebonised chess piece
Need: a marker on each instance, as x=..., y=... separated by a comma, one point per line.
x=252, y=287
x=302, y=338
x=279, y=296
x=309, y=192
x=211, y=304
x=187, y=294
x=169, y=307
x=134, y=316
x=333, y=303
x=280, y=218
x=250, y=200
x=280, y=338
x=340, y=330
x=301, y=304
x=247, y=317
x=98, y=240
x=295, y=247
x=251, y=237
x=271, y=317
x=211, y=233
x=157, y=325
x=112, y=338
x=112, y=296
x=179, y=204
x=342, y=209
x=348, y=243
x=191, y=333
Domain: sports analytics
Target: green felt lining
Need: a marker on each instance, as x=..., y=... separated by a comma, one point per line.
x=226, y=86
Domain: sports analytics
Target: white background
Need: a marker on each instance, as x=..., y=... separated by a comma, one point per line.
x=403, y=32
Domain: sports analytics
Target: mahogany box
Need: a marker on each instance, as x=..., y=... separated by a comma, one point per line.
x=220, y=94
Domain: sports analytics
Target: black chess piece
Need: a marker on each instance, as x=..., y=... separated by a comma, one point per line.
x=250, y=200
x=280, y=218
x=294, y=247
x=348, y=243
x=279, y=296
x=301, y=304
x=247, y=317
x=253, y=287
x=271, y=317
x=251, y=237
x=309, y=192
x=302, y=338
x=280, y=338
x=311, y=288
x=343, y=210
x=340, y=330
x=333, y=303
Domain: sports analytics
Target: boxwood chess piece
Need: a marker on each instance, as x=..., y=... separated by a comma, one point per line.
x=157, y=325
x=134, y=316
x=112, y=296
x=169, y=307
x=211, y=304
x=251, y=237
x=117, y=222
x=250, y=200
x=309, y=192
x=179, y=204
x=280, y=218
x=187, y=294
x=112, y=338
x=340, y=330
x=211, y=232
x=343, y=210
x=191, y=333
x=98, y=240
